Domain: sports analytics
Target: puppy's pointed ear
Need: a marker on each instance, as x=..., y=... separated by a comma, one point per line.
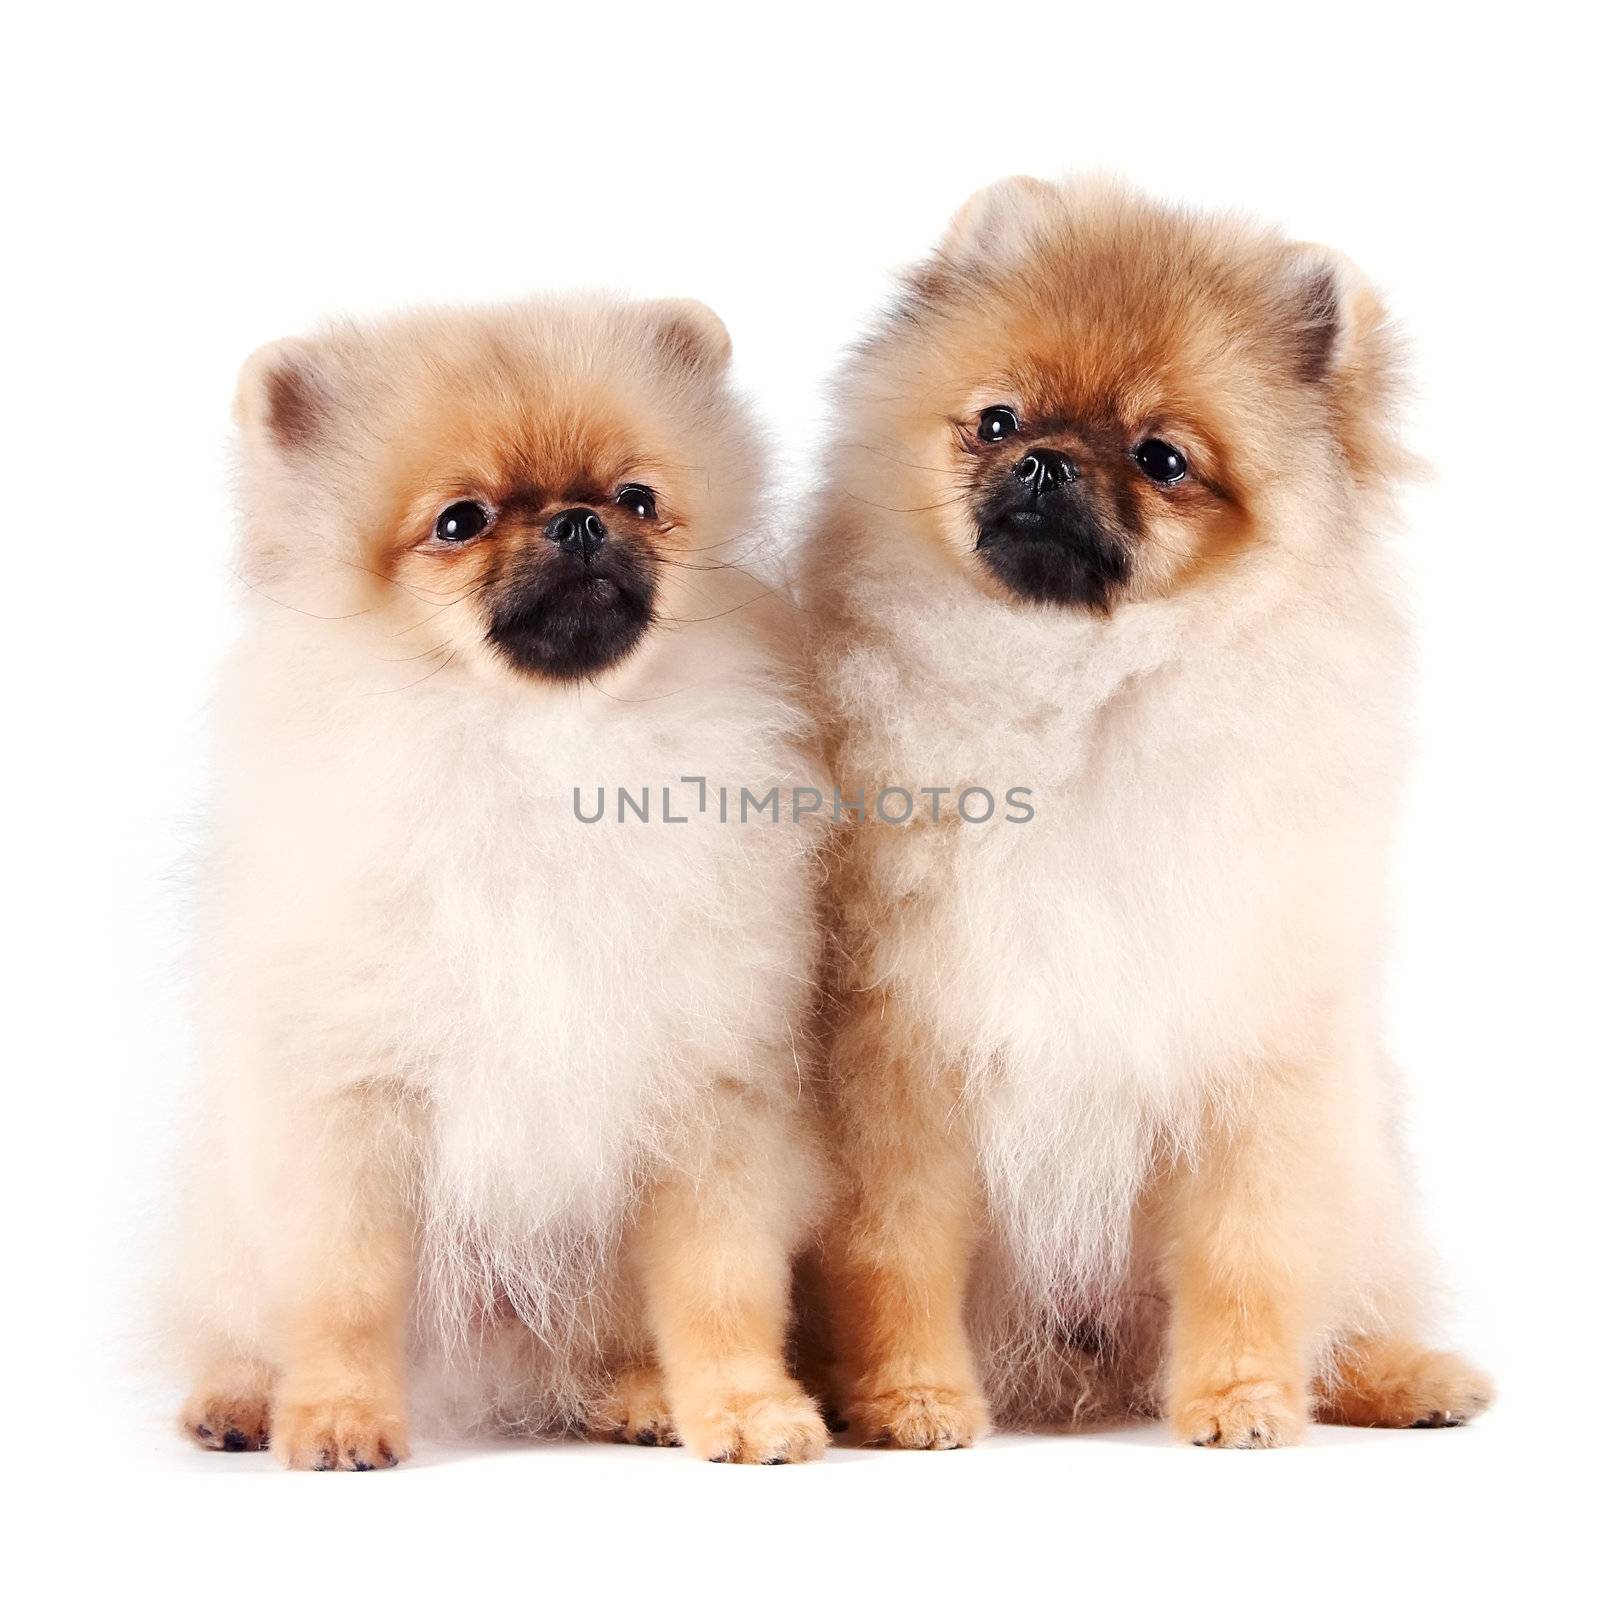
x=1331, y=308
x=690, y=335
x=997, y=222
x=298, y=413
x=285, y=397
x=1339, y=338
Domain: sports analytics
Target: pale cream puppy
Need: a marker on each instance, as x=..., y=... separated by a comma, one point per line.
x=1105, y=518
x=498, y=1100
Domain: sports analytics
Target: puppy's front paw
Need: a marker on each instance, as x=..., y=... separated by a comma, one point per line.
x=339, y=1434
x=635, y=1411
x=767, y=1429
x=1256, y=1415
x=231, y=1407
x=920, y=1417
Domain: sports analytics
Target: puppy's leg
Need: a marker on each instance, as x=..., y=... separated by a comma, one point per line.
x=812, y=1344
x=1252, y=1225
x=1385, y=1373
x=714, y=1247
x=898, y=1257
x=339, y=1283
x=1400, y=1383
x=214, y=1322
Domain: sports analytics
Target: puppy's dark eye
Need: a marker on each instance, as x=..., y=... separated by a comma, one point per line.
x=635, y=497
x=996, y=423
x=1161, y=461
x=464, y=520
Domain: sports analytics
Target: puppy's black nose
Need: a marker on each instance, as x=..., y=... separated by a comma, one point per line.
x=1044, y=470
x=579, y=532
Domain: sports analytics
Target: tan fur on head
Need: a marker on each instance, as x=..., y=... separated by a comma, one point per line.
x=356, y=441
x=1269, y=365
x=1108, y=1084
x=525, y=1084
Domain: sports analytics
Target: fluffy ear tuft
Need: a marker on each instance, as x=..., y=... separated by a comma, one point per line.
x=1319, y=317
x=1330, y=303
x=1340, y=339
x=998, y=221
x=284, y=395
x=691, y=335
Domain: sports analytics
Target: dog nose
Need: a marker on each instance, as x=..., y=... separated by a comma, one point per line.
x=579, y=532
x=1044, y=470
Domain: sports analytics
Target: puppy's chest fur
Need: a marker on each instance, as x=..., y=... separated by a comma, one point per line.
x=1205, y=809
x=570, y=968
x=560, y=995
x=1116, y=930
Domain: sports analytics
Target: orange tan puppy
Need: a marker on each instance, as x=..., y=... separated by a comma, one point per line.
x=503, y=1108
x=1104, y=534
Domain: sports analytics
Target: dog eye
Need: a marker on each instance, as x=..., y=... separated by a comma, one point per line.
x=464, y=520
x=635, y=497
x=1160, y=461
x=996, y=423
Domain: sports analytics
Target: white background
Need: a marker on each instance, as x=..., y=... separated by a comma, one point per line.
x=185, y=183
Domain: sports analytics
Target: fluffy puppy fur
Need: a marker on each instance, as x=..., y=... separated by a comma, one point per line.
x=501, y=1100
x=1104, y=519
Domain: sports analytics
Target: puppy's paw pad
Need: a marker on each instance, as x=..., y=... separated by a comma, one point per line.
x=768, y=1429
x=1259, y=1415
x=921, y=1417
x=636, y=1411
x=339, y=1435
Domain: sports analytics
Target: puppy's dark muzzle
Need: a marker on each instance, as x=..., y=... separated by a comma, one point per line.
x=1048, y=536
x=566, y=615
x=577, y=532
